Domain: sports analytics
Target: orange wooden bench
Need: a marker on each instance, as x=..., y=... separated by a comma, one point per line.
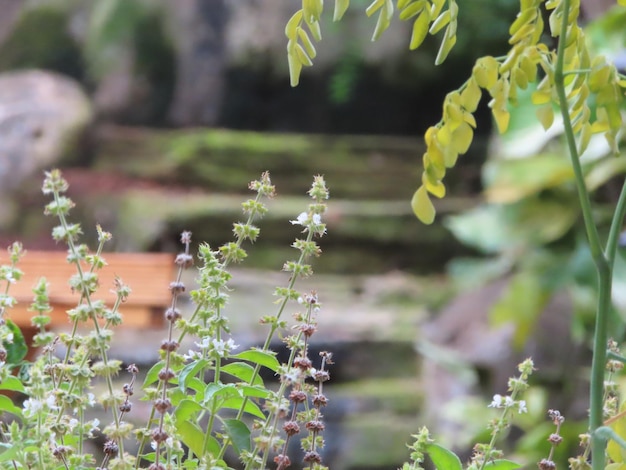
x=147, y=274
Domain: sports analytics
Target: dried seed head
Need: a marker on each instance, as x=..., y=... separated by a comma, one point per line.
x=546, y=464
x=110, y=448
x=128, y=390
x=158, y=435
x=321, y=376
x=308, y=330
x=157, y=466
x=162, y=405
x=297, y=396
x=315, y=425
x=184, y=260
x=320, y=400
x=312, y=457
x=172, y=314
x=133, y=369
x=3, y=354
x=282, y=461
x=302, y=363
x=177, y=287
x=291, y=428
x=555, y=439
x=169, y=346
x=185, y=237
x=126, y=407
x=166, y=375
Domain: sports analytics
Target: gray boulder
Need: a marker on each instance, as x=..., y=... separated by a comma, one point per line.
x=42, y=117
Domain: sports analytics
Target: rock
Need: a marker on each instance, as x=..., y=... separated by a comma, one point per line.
x=42, y=117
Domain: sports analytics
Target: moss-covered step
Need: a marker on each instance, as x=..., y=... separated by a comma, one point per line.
x=355, y=167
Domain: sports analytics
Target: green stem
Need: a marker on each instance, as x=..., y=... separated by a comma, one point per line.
x=603, y=264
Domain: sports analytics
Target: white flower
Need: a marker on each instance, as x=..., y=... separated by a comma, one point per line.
x=317, y=219
x=192, y=355
x=32, y=406
x=293, y=375
x=521, y=407
x=496, y=402
x=205, y=343
x=508, y=402
x=51, y=402
x=302, y=219
x=222, y=347
x=91, y=399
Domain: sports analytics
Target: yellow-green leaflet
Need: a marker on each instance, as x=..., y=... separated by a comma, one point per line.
x=374, y=7
x=307, y=43
x=413, y=9
x=422, y=206
x=523, y=18
x=420, y=29
x=295, y=67
x=292, y=24
x=441, y=22
x=340, y=8
x=446, y=46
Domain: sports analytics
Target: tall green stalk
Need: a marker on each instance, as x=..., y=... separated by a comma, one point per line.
x=603, y=258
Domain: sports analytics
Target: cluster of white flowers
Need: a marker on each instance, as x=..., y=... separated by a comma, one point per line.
x=219, y=346
x=506, y=401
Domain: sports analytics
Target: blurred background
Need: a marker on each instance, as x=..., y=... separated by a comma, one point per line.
x=160, y=112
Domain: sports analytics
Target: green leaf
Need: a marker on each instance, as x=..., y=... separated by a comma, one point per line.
x=6, y=404
x=243, y=371
x=192, y=436
x=187, y=409
x=153, y=374
x=239, y=435
x=236, y=402
x=12, y=383
x=502, y=464
x=263, y=358
x=10, y=453
x=17, y=349
x=255, y=391
x=443, y=458
x=190, y=370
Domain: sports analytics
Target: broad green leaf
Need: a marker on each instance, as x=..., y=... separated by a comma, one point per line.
x=443, y=458
x=190, y=370
x=6, y=404
x=236, y=402
x=10, y=451
x=187, y=409
x=255, y=391
x=12, y=383
x=242, y=371
x=256, y=356
x=502, y=464
x=192, y=436
x=422, y=206
x=17, y=349
x=153, y=374
x=239, y=435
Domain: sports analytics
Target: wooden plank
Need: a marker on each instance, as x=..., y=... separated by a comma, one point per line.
x=148, y=276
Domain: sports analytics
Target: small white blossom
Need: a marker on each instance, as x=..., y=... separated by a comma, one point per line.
x=91, y=399
x=222, y=347
x=317, y=219
x=293, y=375
x=205, y=343
x=32, y=406
x=301, y=219
x=508, y=402
x=192, y=355
x=496, y=402
x=521, y=407
x=51, y=402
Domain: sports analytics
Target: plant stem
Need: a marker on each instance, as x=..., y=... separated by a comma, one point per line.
x=603, y=262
